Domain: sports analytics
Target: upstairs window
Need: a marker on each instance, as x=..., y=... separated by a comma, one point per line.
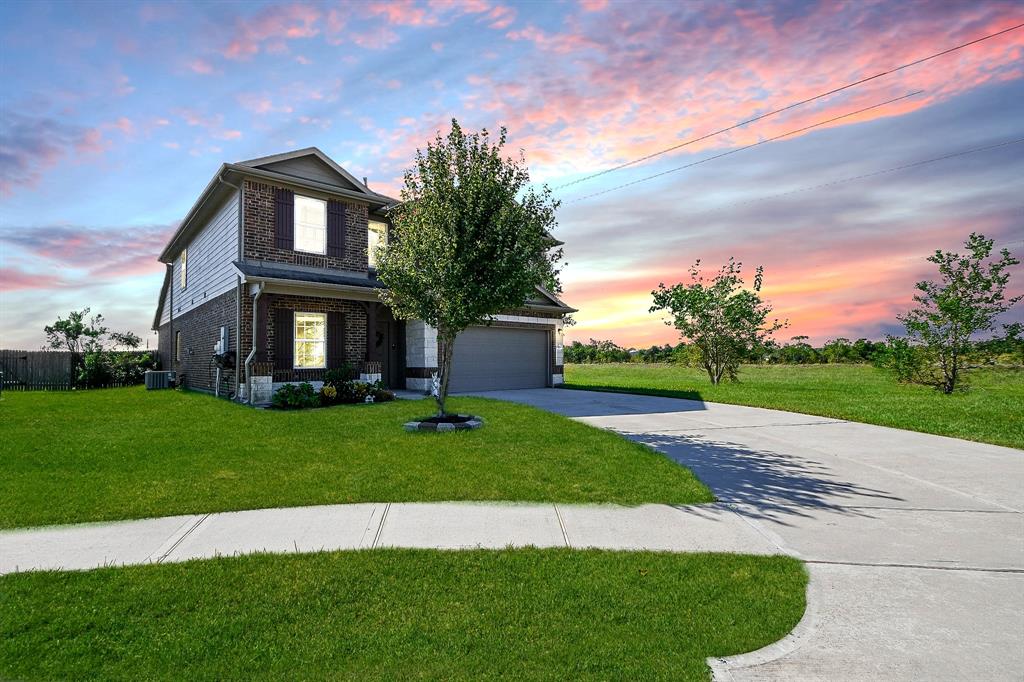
x=310, y=340
x=184, y=268
x=310, y=225
x=376, y=235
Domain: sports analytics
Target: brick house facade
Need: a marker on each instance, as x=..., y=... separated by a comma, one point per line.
x=236, y=262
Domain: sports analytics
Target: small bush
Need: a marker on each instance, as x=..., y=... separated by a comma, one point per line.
x=907, y=362
x=296, y=396
x=339, y=375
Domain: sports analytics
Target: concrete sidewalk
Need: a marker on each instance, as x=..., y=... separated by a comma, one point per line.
x=444, y=525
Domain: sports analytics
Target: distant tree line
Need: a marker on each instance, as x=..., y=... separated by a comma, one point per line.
x=1006, y=350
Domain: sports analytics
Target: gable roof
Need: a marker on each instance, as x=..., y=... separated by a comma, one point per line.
x=290, y=163
x=303, y=168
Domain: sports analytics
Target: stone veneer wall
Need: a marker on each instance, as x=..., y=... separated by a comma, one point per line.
x=200, y=332
x=258, y=235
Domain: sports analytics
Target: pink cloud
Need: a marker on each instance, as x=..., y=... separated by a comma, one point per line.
x=594, y=5
x=501, y=17
x=375, y=39
x=259, y=103
x=627, y=61
x=402, y=13
x=270, y=28
x=29, y=147
x=15, y=279
x=437, y=46
x=201, y=66
x=102, y=252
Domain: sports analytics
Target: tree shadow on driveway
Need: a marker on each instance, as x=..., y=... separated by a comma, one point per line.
x=768, y=485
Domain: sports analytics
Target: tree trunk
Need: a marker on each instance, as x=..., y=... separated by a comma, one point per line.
x=445, y=348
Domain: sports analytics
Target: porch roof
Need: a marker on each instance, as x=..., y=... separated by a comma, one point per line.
x=264, y=270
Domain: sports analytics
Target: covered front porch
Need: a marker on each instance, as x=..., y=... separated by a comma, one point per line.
x=302, y=329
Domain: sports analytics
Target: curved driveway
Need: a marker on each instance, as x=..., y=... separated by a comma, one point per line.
x=914, y=542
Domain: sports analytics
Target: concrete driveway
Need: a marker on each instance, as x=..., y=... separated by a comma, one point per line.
x=914, y=543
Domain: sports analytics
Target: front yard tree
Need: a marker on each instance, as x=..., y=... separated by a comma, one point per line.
x=967, y=300
x=469, y=240
x=721, y=318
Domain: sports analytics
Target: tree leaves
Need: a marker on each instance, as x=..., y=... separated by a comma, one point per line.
x=471, y=238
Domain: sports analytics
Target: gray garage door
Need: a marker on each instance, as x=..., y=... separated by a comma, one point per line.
x=495, y=358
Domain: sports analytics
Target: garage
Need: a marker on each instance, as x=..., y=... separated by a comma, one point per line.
x=498, y=358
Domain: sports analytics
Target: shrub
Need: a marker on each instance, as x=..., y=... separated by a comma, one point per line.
x=907, y=362
x=99, y=368
x=328, y=395
x=296, y=397
x=339, y=375
x=381, y=394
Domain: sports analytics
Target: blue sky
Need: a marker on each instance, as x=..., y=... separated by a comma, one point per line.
x=115, y=116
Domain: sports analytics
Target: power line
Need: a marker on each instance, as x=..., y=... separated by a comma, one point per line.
x=864, y=176
x=749, y=146
x=788, y=107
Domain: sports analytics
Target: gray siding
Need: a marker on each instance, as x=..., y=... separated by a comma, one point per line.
x=310, y=168
x=210, y=253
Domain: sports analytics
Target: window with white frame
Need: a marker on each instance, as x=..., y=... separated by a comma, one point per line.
x=376, y=235
x=310, y=224
x=184, y=268
x=310, y=340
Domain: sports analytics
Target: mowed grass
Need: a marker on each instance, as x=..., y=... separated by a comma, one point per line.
x=990, y=411
x=128, y=453
x=400, y=614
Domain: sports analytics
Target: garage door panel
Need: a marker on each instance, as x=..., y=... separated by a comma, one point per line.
x=495, y=358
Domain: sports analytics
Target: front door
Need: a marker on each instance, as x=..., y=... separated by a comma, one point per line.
x=388, y=348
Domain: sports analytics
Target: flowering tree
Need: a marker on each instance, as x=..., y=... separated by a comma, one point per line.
x=469, y=239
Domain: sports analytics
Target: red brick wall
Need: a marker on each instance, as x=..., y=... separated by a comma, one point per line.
x=200, y=331
x=258, y=235
x=355, y=321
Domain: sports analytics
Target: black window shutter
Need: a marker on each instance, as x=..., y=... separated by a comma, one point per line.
x=335, y=340
x=284, y=219
x=335, y=229
x=284, y=339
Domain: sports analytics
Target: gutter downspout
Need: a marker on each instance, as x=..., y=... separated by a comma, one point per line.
x=252, y=353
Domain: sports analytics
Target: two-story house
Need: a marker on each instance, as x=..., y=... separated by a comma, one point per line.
x=272, y=269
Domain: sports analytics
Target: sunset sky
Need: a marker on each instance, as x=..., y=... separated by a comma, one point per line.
x=115, y=116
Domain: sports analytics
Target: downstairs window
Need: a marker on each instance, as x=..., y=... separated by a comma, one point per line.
x=310, y=340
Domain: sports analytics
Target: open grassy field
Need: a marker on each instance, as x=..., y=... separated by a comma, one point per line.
x=400, y=614
x=127, y=453
x=990, y=411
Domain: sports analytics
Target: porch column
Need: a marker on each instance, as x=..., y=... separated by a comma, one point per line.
x=371, y=331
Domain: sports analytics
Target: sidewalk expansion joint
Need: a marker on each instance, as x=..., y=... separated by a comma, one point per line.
x=160, y=559
x=561, y=524
x=380, y=528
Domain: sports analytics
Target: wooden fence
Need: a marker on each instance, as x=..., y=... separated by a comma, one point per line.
x=39, y=370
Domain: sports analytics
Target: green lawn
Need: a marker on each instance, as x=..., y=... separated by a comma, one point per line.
x=400, y=614
x=989, y=412
x=128, y=453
